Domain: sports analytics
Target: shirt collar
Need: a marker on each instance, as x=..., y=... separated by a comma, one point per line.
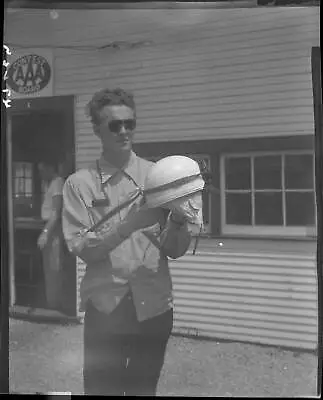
x=108, y=170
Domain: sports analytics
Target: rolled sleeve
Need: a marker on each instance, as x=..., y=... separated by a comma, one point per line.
x=76, y=221
x=56, y=207
x=57, y=187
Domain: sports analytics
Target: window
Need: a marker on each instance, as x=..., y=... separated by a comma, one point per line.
x=268, y=193
x=201, y=159
x=23, y=188
x=23, y=179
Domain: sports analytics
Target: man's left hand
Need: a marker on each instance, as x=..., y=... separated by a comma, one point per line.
x=177, y=218
x=42, y=240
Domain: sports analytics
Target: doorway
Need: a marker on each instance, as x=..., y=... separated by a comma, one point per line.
x=40, y=132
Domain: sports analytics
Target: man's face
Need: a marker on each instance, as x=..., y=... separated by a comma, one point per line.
x=116, y=128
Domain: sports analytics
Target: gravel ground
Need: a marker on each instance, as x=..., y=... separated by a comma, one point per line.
x=48, y=357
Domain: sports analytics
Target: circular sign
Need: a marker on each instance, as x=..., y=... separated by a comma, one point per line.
x=29, y=74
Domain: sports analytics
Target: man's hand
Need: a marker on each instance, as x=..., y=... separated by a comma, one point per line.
x=42, y=240
x=177, y=218
x=188, y=207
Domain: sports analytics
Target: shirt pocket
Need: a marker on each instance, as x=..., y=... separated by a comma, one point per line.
x=98, y=207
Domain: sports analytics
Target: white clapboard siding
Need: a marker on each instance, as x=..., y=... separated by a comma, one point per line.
x=259, y=298
x=101, y=26
x=223, y=77
x=203, y=74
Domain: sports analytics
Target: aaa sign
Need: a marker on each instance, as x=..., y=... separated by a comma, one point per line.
x=29, y=74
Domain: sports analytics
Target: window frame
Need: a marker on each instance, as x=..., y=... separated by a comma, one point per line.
x=21, y=179
x=206, y=157
x=264, y=230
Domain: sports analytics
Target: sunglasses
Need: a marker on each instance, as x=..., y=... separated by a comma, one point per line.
x=116, y=125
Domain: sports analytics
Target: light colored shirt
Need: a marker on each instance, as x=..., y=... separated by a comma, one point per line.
x=55, y=188
x=115, y=265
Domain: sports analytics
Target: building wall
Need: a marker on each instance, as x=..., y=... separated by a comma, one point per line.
x=230, y=74
x=258, y=297
x=234, y=76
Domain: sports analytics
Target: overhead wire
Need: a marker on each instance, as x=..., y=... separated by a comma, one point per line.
x=117, y=45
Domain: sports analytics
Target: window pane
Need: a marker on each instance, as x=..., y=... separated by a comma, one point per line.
x=268, y=209
x=268, y=172
x=28, y=172
x=28, y=188
x=237, y=173
x=21, y=186
x=238, y=208
x=299, y=172
x=300, y=209
x=18, y=169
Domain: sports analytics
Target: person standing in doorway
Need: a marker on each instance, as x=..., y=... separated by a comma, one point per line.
x=126, y=292
x=51, y=238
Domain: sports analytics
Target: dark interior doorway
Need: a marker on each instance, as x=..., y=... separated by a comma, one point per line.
x=38, y=134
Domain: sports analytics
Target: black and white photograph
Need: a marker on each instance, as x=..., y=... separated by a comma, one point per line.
x=164, y=179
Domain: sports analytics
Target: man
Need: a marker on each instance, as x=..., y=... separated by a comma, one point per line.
x=50, y=240
x=126, y=291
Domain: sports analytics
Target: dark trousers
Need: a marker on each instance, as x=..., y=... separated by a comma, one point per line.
x=123, y=357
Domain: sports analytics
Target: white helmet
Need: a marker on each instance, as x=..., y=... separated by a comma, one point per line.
x=171, y=178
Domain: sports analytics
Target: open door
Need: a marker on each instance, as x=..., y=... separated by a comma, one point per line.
x=41, y=130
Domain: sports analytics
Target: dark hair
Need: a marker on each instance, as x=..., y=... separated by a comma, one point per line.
x=111, y=97
x=50, y=164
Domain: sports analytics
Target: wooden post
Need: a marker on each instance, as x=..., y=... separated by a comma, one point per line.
x=12, y=287
x=317, y=101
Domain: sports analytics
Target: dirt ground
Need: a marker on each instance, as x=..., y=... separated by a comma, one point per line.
x=208, y=368
x=48, y=358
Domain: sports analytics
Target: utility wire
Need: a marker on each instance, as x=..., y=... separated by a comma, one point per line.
x=113, y=45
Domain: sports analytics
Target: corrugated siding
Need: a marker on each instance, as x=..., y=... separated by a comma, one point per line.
x=259, y=298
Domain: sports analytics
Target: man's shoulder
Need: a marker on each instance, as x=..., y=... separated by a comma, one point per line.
x=57, y=181
x=81, y=176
